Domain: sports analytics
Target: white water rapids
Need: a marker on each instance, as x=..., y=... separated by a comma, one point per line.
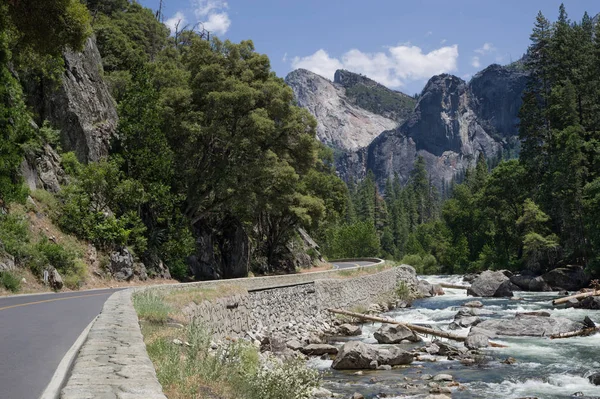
x=545, y=369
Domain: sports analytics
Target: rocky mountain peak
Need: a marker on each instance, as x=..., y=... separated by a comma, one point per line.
x=342, y=122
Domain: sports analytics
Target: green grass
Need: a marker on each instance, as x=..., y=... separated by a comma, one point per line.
x=151, y=306
x=10, y=281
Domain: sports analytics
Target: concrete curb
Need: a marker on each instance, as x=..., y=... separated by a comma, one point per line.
x=59, y=378
x=113, y=362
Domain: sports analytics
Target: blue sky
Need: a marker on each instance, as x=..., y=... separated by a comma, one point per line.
x=399, y=43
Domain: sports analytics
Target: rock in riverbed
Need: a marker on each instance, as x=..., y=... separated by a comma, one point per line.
x=357, y=355
x=349, y=330
x=524, y=325
x=394, y=334
x=490, y=283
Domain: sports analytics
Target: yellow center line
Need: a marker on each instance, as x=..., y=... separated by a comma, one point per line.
x=52, y=300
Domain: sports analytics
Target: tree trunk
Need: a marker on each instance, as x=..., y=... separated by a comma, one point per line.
x=576, y=296
x=582, y=332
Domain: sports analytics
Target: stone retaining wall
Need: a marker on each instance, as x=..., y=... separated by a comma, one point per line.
x=285, y=307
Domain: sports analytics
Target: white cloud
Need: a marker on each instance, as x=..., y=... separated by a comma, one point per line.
x=172, y=22
x=393, y=68
x=443, y=41
x=475, y=62
x=217, y=23
x=486, y=48
x=284, y=59
x=428, y=34
x=320, y=63
x=213, y=15
x=467, y=76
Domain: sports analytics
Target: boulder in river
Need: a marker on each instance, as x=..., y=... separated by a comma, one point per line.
x=595, y=378
x=590, y=302
x=476, y=341
x=394, y=334
x=424, y=289
x=571, y=278
x=356, y=355
x=473, y=304
x=532, y=326
x=349, y=330
x=521, y=281
x=538, y=284
x=491, y=283
x=464, y=318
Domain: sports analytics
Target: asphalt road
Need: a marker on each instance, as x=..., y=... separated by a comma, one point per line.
x=346, y=265
x=36, y=331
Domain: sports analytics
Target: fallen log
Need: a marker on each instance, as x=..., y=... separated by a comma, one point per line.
x=579, y=333
x=413, y=327
x=455, y=286
x=576, y=296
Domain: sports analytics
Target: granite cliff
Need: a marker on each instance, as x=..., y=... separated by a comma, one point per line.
x=452, y=122
x=352, y=110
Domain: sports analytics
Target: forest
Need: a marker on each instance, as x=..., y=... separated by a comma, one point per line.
x=209, y=137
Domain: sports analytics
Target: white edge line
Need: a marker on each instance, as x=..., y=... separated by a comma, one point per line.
x=59, y=378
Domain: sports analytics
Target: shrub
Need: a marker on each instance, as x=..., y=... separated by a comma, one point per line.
x=290, y=380
x=10, y=281
x=151, y=307
x=402, y=291
x=415, y=261
x=14, y=234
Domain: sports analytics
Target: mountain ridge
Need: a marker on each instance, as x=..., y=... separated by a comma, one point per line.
x=451, y=123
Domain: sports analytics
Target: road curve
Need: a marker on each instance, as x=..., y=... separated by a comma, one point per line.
x=351, y=263
x=36, y=331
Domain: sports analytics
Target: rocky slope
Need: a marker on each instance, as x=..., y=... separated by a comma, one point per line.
x=453, y=121
x=352, y=110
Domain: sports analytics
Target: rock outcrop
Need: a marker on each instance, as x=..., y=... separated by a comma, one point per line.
x=121, y=264
x=41, y=169
x=342, y=122
x=80, y=105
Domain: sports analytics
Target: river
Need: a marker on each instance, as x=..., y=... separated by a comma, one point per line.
x=545, y=369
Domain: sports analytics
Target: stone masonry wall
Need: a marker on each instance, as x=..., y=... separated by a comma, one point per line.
x=284, y=308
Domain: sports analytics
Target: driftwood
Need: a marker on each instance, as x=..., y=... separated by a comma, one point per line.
x=456, y=286
x=576, y=296
x=413, y=327
x=582, y=332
